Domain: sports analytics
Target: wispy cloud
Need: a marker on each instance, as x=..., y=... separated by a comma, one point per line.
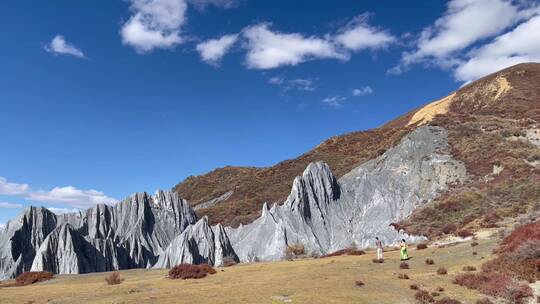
x=69, y=195
x=6, y=205
x=362, y=91
x=300, y=84
x=213, y=50
x=154, y=24
x=476, y=37
x=60, y=46
x=334, y=101
x=63, y=210
x=202, y=4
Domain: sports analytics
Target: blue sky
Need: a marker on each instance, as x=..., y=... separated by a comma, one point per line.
x=100, y=99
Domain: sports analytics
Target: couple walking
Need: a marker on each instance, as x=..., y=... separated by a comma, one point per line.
x=404, y=255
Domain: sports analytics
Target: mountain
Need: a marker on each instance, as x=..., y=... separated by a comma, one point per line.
x=461, y=162
x=492, y=121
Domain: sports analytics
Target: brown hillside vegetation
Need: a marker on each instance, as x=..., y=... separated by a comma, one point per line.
x=487, y=121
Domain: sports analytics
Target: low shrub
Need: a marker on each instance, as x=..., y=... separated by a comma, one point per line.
x=403, y=276
x=442, y=271
x=359, y=283
x=347, y=251
x=294, y=250
x=469, y=268
x=188, y=271
x=439, y=289
x=435, y=294
x=474, y=253
x=229, y=261
x=447, y=301
x=474, y=244
x=496, y=285
x=414, y=287
x=421, y=246
x=430, y=262
x=31, y=277
x=484, y=301
x=490, y=220
x=448, y=229
x=378, y=260
x=464, y=233
x=114, y=279
x=403, y=265
x=423, y=297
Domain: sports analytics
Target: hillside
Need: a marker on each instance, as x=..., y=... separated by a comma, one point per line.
x=492, y=127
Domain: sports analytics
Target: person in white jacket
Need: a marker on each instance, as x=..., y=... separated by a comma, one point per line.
x=379, y=246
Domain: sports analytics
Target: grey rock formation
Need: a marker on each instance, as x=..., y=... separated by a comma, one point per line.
x=322, y=213
x=326, y=215
x=198, y=244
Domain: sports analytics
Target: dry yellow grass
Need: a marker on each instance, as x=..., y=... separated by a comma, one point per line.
x=427, y=113
x=326, y=280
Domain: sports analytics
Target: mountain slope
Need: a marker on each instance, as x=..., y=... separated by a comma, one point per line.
x=481, y=119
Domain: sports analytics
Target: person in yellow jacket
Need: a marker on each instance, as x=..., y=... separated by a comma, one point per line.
x=404, y=255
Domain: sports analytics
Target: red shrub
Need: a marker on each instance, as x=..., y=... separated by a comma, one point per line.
x=378, y=261
x=31, y=277
x=347, y=251
x=448, y=228
x=359, y=283
x=440, y=289
x=423, y=297
x=114, y=278
x=188, y=271
x=430, y=262
x=421, y=246
x=469, y=268
x=490, y=220
x=404, y=265
x=442, y=271
x=464, y=233
x=403, y=276
x=496, y=285
x=447, y=301
x=413, y=287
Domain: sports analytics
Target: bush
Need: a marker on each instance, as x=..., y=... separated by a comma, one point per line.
x=404, y=265
x=464, y=233
x=448, y=229
x=474, y=244
x=31, y=277
x=421, y=246
x=469, y=268
x=229, y=261
x=413, y=286
x=484, y=301
x=474, y=253
x=447, y=301
x=435, y=294
x=114, y=279
x=423, y=297
x=347, y=251
x=440, y=289
x=188, y=271
x=430, y=262
x=442, y=271
x=403, y=276
x=378, y=260
x=359, y=283
x=490, y=220
x=294, y=250
x=496, y=285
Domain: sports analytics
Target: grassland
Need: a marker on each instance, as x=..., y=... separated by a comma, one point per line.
x=323, y=280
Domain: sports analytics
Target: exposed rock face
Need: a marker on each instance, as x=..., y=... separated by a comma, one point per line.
x=131, y=234
x=325, y=215
x=198, y=244
x=322, y=213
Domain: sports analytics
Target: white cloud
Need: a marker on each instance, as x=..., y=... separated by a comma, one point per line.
x=357, y=35
x=213, y=50
x=301, y=84
x=276, y=80
x=522, y=44
x=154, y=24
x=71, y=196
x=202, y=4
x=7, y=205
x=68, y=195
x=269, y=49
x=334, y=101
x=7, y=188
x=63, y=210
x=59, y=45
x=2, y=226
x=464, y=23
x=362, y=91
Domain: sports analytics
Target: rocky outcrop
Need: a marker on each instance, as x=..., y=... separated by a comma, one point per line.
x=198, y=244
x=325, y=215
x=321, y=213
